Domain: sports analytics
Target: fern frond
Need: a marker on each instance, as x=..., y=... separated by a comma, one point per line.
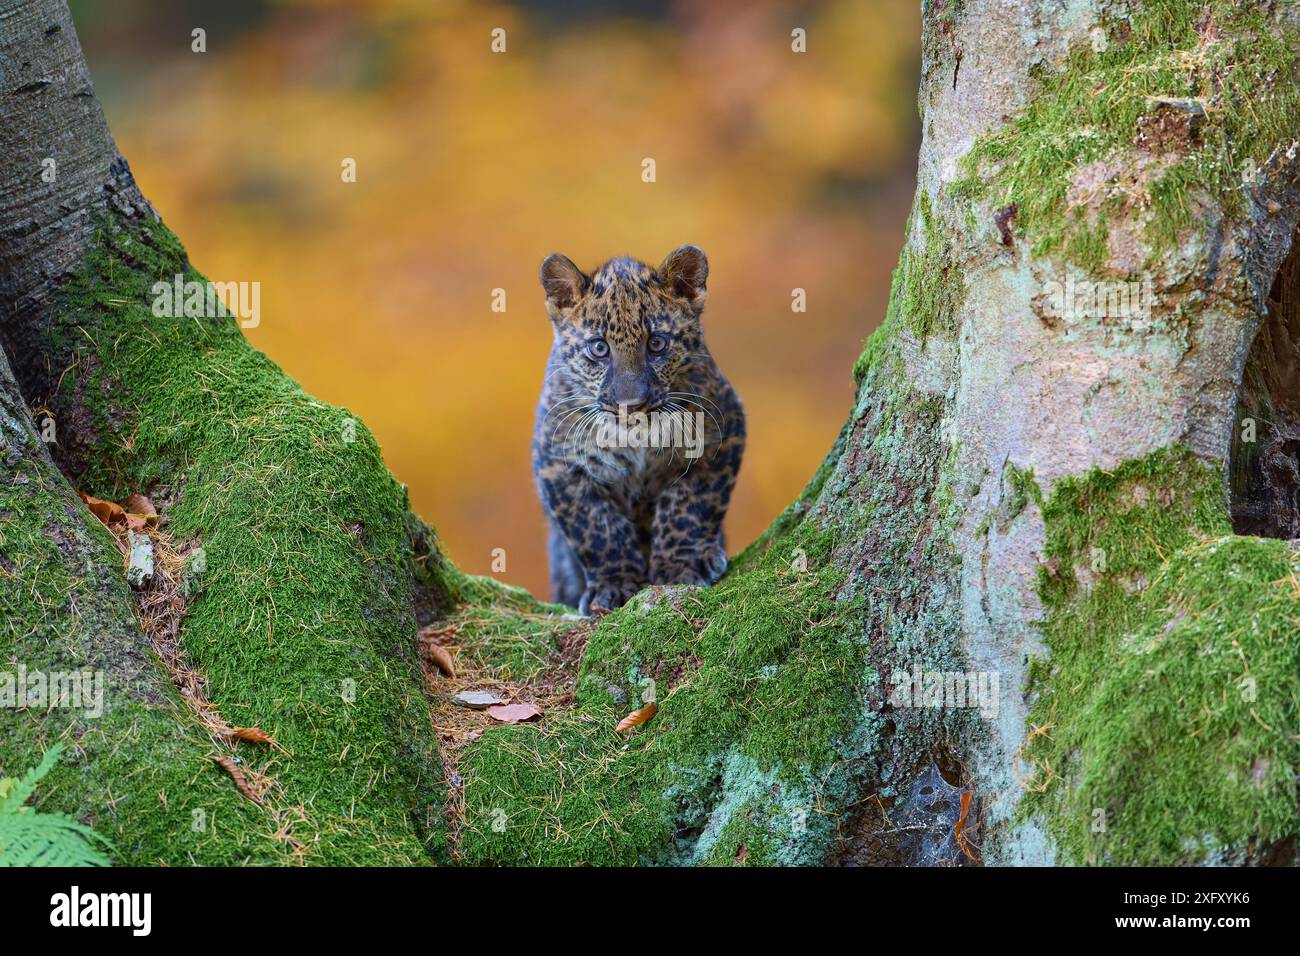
x=28, y=838
x=49, y=839
x=24, y=788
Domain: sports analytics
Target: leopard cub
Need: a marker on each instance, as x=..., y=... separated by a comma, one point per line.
x=638, y=436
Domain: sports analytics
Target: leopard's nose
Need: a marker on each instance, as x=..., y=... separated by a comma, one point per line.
x=629, y=391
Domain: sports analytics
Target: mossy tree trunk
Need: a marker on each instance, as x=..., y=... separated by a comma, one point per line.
x=1032, y=499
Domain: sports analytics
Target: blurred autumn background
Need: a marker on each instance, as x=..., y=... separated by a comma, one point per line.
x=790, y=170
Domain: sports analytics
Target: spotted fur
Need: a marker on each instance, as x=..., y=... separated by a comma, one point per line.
x=624, y=517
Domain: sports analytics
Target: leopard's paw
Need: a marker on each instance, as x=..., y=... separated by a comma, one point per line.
x=603, y=596
x=702, y=567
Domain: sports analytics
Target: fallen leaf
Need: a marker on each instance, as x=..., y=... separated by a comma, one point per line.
x=136, y=522
x=477, y=700
x=107, y=512
x=241, y=782
x=140, y=505
x=252, y=735
x=514, y=713
x=439, y=657
x=958, y=833
x=636, y=718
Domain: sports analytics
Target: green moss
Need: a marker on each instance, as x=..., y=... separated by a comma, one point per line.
x=139, y=771
x=749, y=837
x=1168, y=708
x=878, y=347
x=924, y=295
x=1019, y=488
x=572, y=793
x=754, y=669
x=302, y=621
x=1243, y=72
x=932, y=286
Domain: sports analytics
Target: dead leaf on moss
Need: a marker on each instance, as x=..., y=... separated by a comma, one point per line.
x=636, y=718
x=241, y=782
x=439, y=657
x=106, y=511
x=253, y=735
x=514, y=713
x=141, y=507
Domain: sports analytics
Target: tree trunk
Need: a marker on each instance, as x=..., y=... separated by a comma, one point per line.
x=1008, y=620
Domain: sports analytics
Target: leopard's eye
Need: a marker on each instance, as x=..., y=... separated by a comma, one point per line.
x=598, y=348
x=658, y=342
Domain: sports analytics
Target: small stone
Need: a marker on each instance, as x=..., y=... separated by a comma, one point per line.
x=476, y=699
x=617, y=694
x=139, y=571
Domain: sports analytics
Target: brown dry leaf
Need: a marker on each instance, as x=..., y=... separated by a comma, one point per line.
x=107, y=512
x=241, y=782
x=636, y=718
x=252, y=735
x=958, y=832
x=439, y=657
x=514, y=713
x=136, y=522
x=141, y=506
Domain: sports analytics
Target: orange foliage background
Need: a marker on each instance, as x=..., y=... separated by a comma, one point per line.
x=790, y=170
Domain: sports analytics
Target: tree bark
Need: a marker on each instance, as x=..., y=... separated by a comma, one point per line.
x=1031, y=507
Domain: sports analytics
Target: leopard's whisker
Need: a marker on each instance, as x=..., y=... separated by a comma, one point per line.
x=568, y=441
x=594, y=423
x=568, y=412
x=556, y=417
x=683, y=397
x=564, y=427
x=583, y=415
x=673, y=406
x=557, y=405
x=699, y=403
x=697, y=397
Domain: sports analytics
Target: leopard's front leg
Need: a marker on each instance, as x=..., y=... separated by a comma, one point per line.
x=605, y=539
x=686, y=544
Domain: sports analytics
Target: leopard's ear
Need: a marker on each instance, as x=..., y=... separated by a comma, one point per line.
x=563, y=281
x=684, y=274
